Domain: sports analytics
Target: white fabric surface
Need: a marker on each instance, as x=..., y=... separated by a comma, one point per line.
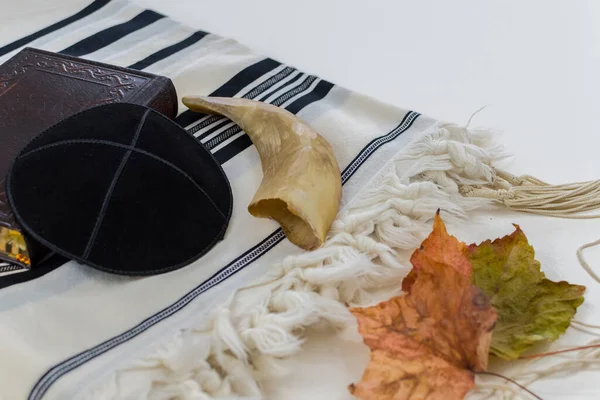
x=534, y=64
x=442, y=60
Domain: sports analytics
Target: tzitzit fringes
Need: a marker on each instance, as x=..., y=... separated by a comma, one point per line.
x=571, y=361
x=529, y=194
x=584, y=263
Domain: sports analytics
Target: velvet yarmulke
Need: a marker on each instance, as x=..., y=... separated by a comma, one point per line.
x=121, y=188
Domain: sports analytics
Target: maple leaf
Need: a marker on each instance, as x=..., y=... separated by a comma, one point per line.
x=531, y=308
x=440, y=248
x=426, y=344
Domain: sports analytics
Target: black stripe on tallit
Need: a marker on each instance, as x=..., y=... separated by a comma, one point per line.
x=5, y=267
x=112, y=34
x=232, y=87
x=95, y=6
x=302, y=86
x=288, y=83
x=245, y=77
x=224, y=121
x=47, y=266
x=262, y=88
x=168, y=51
x=243, y=142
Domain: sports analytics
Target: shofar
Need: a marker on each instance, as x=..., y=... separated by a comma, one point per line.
x=301, y=187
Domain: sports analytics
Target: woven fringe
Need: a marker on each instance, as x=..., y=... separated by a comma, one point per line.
x=364, y=260
x=528, y=372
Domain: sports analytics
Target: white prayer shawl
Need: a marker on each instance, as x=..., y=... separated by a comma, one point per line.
x=76, y=332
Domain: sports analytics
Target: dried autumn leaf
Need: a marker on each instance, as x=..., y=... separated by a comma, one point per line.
x=426, y=344
x=531, y=308
x=441, y=248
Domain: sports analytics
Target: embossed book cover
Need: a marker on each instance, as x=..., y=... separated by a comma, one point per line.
x=39, y=89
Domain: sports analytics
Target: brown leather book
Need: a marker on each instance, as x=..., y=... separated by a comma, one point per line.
x=39, y=89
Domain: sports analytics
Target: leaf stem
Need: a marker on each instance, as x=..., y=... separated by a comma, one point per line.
x=511, y=381
x=551, y=353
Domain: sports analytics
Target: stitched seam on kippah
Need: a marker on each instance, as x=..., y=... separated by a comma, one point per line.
x=111, y=188
x=133, y=149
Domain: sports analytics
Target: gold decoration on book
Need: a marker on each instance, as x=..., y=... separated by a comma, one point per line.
x=301, y=187
x=12, y=245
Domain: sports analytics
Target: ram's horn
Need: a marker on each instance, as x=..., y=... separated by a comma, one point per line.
x=301, y=186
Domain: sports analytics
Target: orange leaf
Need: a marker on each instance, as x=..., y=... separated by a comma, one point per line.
x=441, y=248
x=427, y=343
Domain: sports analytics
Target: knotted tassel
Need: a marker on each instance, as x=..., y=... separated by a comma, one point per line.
x=529, y=194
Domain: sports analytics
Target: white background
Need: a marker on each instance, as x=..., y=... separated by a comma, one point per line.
x=535, y=64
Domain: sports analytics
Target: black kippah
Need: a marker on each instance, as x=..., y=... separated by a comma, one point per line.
x=121, y=188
